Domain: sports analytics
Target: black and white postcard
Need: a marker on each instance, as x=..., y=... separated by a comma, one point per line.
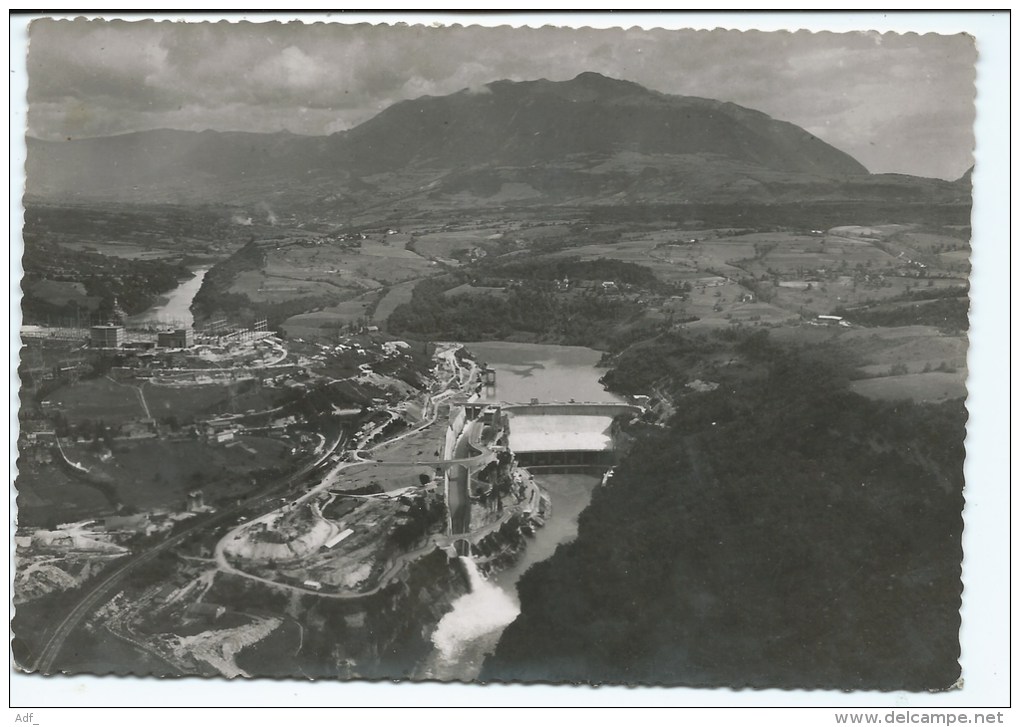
x=359, y=351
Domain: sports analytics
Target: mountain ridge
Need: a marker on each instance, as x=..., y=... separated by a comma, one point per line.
x=588, y=140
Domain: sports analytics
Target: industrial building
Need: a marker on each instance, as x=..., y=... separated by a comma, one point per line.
x=177, y=338
x=106, y=336
x=195, y=501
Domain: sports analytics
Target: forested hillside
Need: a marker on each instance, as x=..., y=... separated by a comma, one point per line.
x=780, y=531
x=530, y=311
x=60, y=282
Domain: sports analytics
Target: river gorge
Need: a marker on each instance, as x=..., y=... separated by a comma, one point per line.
x=471, y=630
x=175, y=306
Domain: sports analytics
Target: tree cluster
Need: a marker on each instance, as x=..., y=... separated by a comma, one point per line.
x=780, y=532
x=529, y=310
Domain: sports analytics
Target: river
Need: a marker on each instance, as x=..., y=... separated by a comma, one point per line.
x=469, y=632
x=174, y=308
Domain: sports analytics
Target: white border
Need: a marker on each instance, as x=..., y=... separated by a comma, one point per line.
x=985, y=639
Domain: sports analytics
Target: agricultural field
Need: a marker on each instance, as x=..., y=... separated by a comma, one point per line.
x=376, y=304
x=789, y=278
x=125, y=250
x=956, y=260
x=341, y=281
x=919, y=363
x=468, y=289
x=824, y=297
x=703, y=305
x=395, y=296
x=451, y=244
x=156, y=473
x=62, y=292
x=275, y=655
x=932, y=387
x=914, y=348
x=422, y=446
x=931, y=242
x=799, y=273
x=97, y=399
x=256, y=400
x=796, y=255
x=327, y=320
x=47, y=496
x=115, y=402
x=279, y=283
x=671, y=263
x=185, y=402
x=387, y=476
x=390, y=269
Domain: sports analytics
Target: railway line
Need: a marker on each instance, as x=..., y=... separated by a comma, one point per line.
x=109, y=585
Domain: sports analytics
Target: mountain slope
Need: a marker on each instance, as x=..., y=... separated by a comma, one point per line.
x=589, y=140
x=176, y=165
x=778, y=532
x=541, y=121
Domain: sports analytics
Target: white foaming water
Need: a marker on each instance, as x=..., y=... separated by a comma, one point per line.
x=470, y=632
x=466, y=634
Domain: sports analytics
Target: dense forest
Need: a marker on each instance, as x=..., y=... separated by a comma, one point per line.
x=947, y=314
x=792, y=215
x=178, y=227
x=213, y=300
x=601, y=269
x=212, y=296
x=530, y=311
x=51, y=270
x=779, y=531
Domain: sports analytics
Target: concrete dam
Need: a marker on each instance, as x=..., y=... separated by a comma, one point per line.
x=543, y=438
x=555, y=437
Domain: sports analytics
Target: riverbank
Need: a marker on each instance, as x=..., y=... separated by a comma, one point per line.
x=470, y=631
x=173, y=308
x=546, y=372
x=748, y=540
x=472, y=628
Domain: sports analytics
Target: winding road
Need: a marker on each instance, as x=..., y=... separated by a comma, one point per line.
x=459, y=503
x=109, y=585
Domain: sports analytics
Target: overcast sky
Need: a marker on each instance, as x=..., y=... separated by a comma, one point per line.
x=897, y=103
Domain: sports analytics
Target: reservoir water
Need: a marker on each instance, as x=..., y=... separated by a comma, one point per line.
x=174, y=308
x=526, y=371
x=470, y=632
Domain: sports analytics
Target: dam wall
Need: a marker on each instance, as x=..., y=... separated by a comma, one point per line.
x=457, y=418
x=567, y=437
x=569, y=427
x=580, y=408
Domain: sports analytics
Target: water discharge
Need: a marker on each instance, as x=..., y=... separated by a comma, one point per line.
x=470, y=631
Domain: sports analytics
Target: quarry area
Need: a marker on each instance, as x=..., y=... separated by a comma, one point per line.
x=295, y=468
x=332, y=462
x=385, y=503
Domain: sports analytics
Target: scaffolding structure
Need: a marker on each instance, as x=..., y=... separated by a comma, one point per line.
x=222, y=331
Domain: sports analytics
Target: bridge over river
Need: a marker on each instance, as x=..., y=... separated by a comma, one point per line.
x=551, y=437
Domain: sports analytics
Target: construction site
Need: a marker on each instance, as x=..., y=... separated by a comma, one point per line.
x=416, y=481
